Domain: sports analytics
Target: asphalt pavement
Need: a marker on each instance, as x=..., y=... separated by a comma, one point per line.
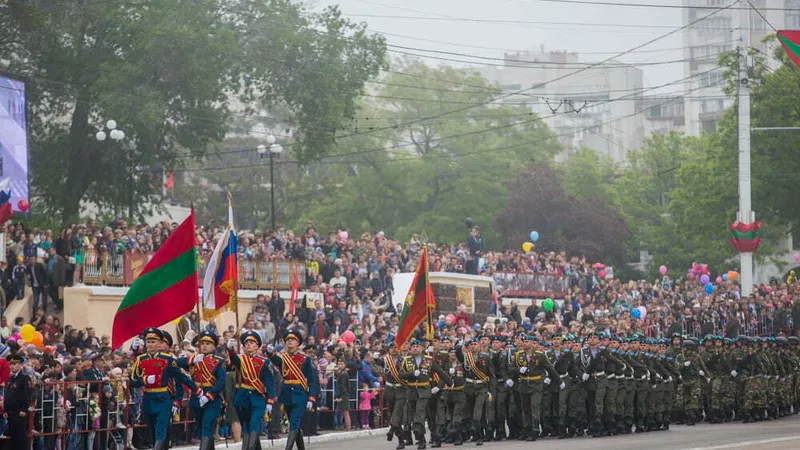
x=783, y=434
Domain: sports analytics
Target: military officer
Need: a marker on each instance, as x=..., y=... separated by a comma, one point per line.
x=300, y=386
x=480, y=381
x=393, y=389
x=455, y=398
x=535, y=374
x=417, y=370
x=17, y=399
x=255, y=388
x=208, y=372
x=153, y=371
x=500, y=396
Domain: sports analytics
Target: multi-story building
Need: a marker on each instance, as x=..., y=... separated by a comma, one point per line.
x=599, y=107
x=707, y=39
x=663, y=114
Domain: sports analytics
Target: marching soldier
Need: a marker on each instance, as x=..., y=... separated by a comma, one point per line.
x=480, y=381
x=535, y=374
x=300, y=387
x=417, y=370
x=437, y=407
x=594, y=360
x=208, y=372
x=562, y=360
x=394, y=397
x=691, y=366
x=455, y=398
x=255, y=388
x=500, y=399
x=154, y=370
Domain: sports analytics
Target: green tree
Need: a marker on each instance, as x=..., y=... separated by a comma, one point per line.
x=166, y=70
x=588, y=175
x=406, y=174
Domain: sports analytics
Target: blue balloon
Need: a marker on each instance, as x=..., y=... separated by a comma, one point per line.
x=724, y=277
x=709, y=289
x=636, y=313
x=534, y=236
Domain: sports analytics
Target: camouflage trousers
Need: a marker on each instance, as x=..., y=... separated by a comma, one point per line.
x=723, y=391
x=750, y=394
x=691, y=394
x=679, y=401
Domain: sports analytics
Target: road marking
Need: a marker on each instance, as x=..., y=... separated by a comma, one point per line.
x=745, y=444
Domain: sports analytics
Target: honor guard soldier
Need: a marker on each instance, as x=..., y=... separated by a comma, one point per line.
x=153, y=371
x=394, y=390
x=18, y=398
x=300, y=386
x=455, y=399
x=208, y=372
x=480, y=381
x=535, y=374
x=417, y=370
x=501, y=395
x=255, y=388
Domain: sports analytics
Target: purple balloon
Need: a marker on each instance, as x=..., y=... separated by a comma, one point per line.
x=704, y=279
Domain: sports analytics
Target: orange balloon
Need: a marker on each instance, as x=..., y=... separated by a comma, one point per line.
x=38, y=340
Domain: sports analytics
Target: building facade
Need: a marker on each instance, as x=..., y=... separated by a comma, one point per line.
x=598, y=108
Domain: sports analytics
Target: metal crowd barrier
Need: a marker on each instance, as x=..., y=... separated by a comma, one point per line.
x=529, y=284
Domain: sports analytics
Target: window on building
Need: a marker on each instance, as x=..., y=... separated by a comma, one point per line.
x=654, y=111
x=709, y=126
x=511, y=87
x=793, y=22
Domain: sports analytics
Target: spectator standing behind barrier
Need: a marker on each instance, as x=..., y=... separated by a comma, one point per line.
x=56, y=278
x=341, y=395
x=18, y=278
x=37, y=277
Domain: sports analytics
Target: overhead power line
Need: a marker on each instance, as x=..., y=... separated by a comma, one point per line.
x=658, y=5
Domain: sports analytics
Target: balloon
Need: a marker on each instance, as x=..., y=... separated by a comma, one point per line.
x=37, y=340
x=26, y=332
x=643, y=312
x=662, y=270
x=348, y=337
x=636, y=313
x=177, y=320
x=527, y=246
x=704, y=279
x=601, y=274
x=719, y=280
x=796, y=256
x=733, y=275
x=548, y=304
x=534, y=236
x=704, y=268
x=694, y=266
x=724, y=277
x=709, y=288
x=23, y=205
x=440, y=324
x=450, y=319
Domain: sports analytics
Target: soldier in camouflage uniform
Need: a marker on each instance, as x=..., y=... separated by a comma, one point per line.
x=455, y=399
x=480, y=381
x=721, y=399
x=437, y=408
x=691, y=367
x=535, y=374
x=500, y=363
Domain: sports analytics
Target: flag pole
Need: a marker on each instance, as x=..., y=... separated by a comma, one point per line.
x=236, y=282
x=199, y=300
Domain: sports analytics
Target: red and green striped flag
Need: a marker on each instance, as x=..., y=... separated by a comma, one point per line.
x=165, y=290
x=419, y=304
x=790, y=40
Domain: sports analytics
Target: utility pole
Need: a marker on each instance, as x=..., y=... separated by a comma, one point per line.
x=745, y=215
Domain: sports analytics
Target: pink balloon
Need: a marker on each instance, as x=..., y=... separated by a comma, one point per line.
x=450, y=319
x=719, y=280
x=643, y=312
x=796, y=256
x=694, y=265
x=348, y=337
x=662, y=270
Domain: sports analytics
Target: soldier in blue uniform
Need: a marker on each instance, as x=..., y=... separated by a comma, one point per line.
x=300, y=388
x=208, y=372
x=154, y=370
x=255, y=388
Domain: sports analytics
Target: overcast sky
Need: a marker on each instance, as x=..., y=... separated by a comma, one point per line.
x=595, y=32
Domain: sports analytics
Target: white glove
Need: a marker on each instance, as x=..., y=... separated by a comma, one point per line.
x=653, y=386
x=174, y=410
x=435, y=390
x=231, y=343
x=562, y=385
x=270, y=349
x=269, y=409
x=547, y=380
x=199, y=358
x=669, y=379
x=586, y=377
x=150, y=379
x=510, y=383
x=452, y=370
x=417, y=372
x=203, y=400
x=658, y=376
x=375, y=355
x=523, y=369
x=734, y=373
x=776, y=377
x=309, y=405
x=701, y=373
x=687, y=364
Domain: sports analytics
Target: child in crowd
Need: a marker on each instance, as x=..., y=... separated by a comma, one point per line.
x=365, y=405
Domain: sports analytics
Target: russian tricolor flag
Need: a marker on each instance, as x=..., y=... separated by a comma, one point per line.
x=221, y=282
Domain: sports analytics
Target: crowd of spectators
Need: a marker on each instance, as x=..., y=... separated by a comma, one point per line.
x=350, y=286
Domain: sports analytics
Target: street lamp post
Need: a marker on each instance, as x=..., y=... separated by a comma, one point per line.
x=274, y=151
x=117, y=135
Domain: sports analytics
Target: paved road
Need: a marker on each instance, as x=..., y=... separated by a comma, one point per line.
x=783, y=434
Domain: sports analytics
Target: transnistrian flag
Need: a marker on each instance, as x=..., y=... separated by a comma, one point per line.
x=419, y=305
x=221, y=282
x=790, y=40
x=166, y=288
